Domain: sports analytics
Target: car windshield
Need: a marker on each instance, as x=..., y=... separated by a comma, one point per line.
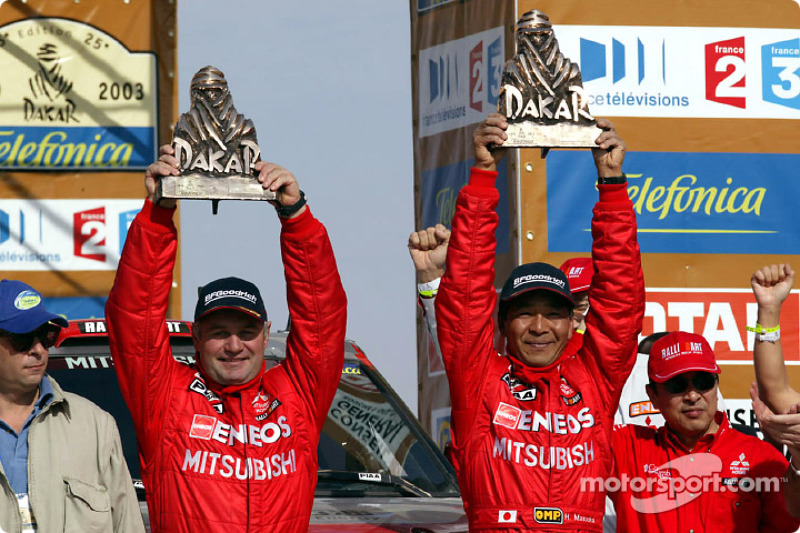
x=369, y=445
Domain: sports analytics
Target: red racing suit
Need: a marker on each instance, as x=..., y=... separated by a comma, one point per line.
x=239, y=458
x=740, y=474
x=522, y=449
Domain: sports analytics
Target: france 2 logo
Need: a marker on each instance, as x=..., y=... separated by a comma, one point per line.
x=725, y=72
x=89, y=234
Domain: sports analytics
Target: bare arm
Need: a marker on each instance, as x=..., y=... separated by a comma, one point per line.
x=771, y=286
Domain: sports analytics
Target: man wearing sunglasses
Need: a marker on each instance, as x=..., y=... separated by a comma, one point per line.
x=61, y=462
x=695, y=473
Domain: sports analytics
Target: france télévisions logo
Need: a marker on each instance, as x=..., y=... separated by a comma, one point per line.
x=725, y=72
x=780, y=63
x=594, y=65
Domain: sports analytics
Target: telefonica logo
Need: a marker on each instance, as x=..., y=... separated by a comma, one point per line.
x=683, y=194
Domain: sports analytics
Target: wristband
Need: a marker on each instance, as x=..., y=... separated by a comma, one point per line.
x=286, y=211
x=429, y=289
x=766, y=334
x=614, y=180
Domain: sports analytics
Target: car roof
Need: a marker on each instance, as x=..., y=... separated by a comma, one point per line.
x=86, y=333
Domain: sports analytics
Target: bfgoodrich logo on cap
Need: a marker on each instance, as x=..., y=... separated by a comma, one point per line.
x=230, y=294
x=542, y=278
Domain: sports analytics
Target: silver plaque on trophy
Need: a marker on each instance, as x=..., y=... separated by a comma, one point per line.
x=216, y=147
x=541, y=92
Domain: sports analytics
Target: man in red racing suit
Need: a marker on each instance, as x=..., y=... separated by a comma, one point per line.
x=528, y=426
x=226, y=446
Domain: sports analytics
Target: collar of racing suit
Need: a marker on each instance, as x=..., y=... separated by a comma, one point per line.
x=533, y=374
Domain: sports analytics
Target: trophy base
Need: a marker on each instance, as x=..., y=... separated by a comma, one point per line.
x=200, y=187
x=560, y=135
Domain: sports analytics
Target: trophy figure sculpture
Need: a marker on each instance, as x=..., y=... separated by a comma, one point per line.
x=542, y=93
x=216, y=147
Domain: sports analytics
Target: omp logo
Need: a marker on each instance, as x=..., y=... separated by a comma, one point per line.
x=725, y=72
x=780, y=63
x=507, y=415
x=594, y=59
x=548, y=515
x=89, y=234
x=202, y=427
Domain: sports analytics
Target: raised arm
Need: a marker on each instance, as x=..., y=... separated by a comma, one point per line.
x=428, y=249
x=771, y=286
x=616, y=297
x=466, y=298
x=137, y=307
x=315, y=296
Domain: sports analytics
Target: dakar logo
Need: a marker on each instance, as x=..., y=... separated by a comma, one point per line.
x=49, y=89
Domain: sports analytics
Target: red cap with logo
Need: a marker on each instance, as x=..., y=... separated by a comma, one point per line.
x=680, y=352
x=579, y=271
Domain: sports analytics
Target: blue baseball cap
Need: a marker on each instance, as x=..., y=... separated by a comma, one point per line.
x=22, y=310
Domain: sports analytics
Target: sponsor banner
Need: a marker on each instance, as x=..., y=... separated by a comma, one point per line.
x=44, y=235
x=685, y=202
x=652, y=71
x=74, y=308
x=78, y=99
x=440, y=188
x=459, y=81
x=721, y=316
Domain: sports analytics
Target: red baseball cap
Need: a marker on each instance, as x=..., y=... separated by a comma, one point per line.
x=579, y=271
x=680, y=352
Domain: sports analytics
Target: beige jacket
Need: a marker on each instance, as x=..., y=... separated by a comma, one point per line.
x=78, y=480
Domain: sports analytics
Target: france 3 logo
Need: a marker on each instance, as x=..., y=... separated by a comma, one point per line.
x=726, y=72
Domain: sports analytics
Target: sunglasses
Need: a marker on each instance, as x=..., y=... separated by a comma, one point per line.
x=23, y=342
x=701, y=381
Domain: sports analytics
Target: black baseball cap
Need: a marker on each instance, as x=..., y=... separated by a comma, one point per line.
x=230, y=293
x=536, y=276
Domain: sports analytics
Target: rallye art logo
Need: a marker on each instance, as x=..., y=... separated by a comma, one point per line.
x=74, y=98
